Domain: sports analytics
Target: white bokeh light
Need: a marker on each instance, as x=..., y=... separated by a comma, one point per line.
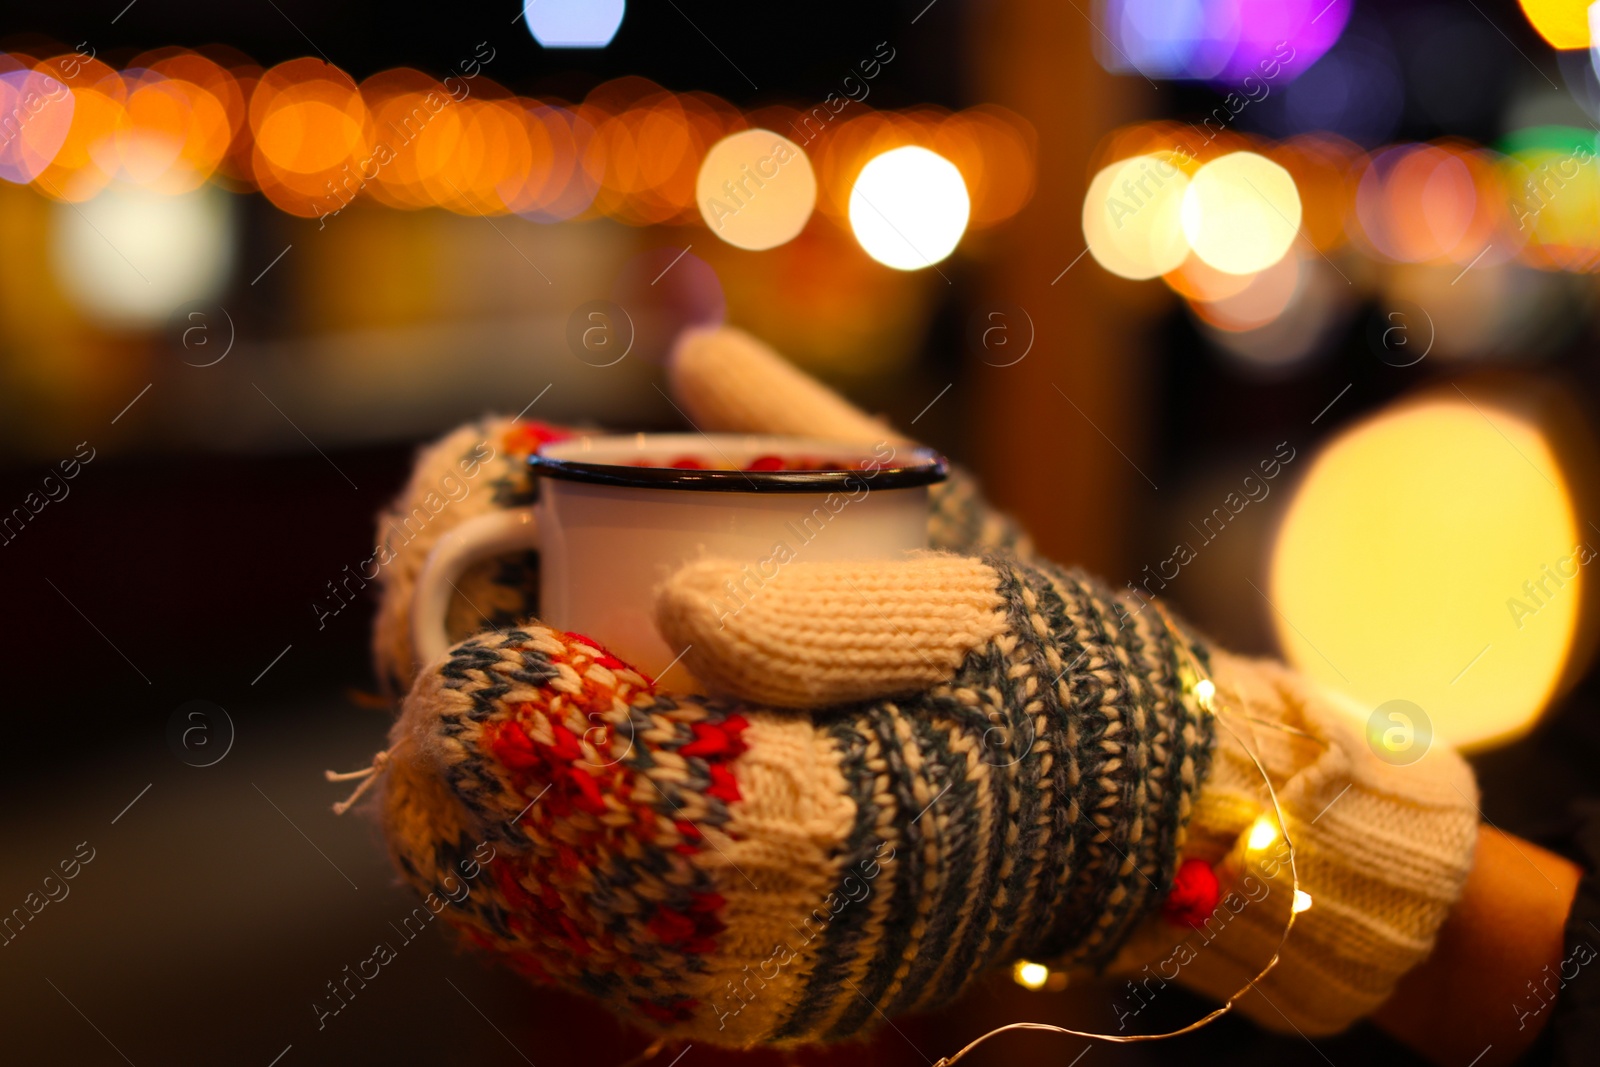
x=909, y=208
x=129, y=256
x=756, y=189
x=1132, y=217
x=574, y=23
x=1241, y=213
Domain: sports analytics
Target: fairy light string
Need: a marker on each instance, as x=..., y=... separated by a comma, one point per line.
x=1198, y=686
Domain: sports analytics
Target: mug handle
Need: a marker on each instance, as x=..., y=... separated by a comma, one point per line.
x=481, y=537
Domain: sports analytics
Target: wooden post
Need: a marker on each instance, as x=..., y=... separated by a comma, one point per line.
x=1050, y=427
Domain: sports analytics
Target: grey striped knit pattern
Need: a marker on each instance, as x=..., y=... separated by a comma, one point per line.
x=1065, y=761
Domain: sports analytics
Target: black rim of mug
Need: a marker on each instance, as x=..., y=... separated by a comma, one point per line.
x=927, y=467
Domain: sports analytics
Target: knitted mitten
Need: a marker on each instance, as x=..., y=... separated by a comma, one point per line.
x=731, y=873
x=1381, y=850
x=477, y=468
x=1005, y=761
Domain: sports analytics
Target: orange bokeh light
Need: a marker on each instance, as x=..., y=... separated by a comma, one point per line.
x=311, y=128
x=1432, y=203
x=312, y=141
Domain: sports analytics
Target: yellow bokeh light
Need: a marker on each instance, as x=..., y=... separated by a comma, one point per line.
x=1562, y=23
x=1558, y=207
x=909, y=208
x=1302, y=901
x=756, y=189
x=1263, y=832
x=1030, y=975
x=1132, y=217
x=1241, y=212
x=1432, y=555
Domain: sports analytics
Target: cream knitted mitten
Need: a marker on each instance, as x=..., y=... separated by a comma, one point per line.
x=1381, y=849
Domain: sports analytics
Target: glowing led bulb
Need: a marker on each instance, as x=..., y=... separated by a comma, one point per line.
x=1030, y=975
x=1262, y=834
x=909, y=208
x=1204, y=693
x=1302, y=901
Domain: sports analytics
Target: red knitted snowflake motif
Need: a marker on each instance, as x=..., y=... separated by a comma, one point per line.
x=567, y=750
x=525, y=438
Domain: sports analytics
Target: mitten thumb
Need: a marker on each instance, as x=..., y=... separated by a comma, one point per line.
x=815, y=634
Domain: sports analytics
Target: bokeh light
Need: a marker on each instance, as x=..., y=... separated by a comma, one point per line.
x=1195, y=280
x=86, y=161
x=1562, y=23
x=994, y=149
x=1414, y=563
x=1241, y=213
x=569, y=189
x=1433, y=203
x=909, y=208
x=1270, y=328
x=1280, y=39
x=313, y=137
x=313, y=142
x=37, y=112
x=131, y=254
x=1132, y=216
x=756, y=189
x=1554, y=179
x=1321, y=165
x=1263, y=298
x=176, y=136
x=574, y=23
x=1219, y=40
x=1030, y=975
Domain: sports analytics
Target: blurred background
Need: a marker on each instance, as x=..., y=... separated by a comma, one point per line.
x=1283, y=310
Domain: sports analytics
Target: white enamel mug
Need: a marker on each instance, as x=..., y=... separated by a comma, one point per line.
x=617, y=514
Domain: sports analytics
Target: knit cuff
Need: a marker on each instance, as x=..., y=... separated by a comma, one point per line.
x=1382, y=852
x=475, y=469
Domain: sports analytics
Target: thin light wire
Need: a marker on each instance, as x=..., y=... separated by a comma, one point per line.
x=1294, y=873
